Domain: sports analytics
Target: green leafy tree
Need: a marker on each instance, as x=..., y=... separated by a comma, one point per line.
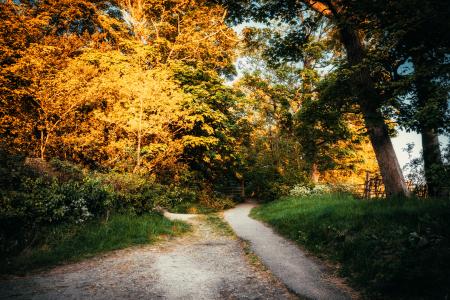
x=272, y=153
x=208, y=128
x=413, y=49
x=350, y=35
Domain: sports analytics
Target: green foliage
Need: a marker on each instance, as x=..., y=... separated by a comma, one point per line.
x=266, y=184
x=208, y=128
x=66, y=170
x=321, y=125
x=193, y=200
x=65, y=195
x=390, y=249
x=73, y=242
x=40, y=202
x=12, y=170
x=130, y=191
x=139, y=194
x=272, y=155
x=214, y=201
x=177, y=198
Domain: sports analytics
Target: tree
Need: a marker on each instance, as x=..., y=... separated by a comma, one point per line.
x=268, y=45
x=37, y=39
x=369, y=99
x=331, y=131
x=271, y=149
x=137, y=102
x=40, y=64
x=51, y=92
x=305, y=108
x=193, y=32
x=414, y=48
x=208, y=127
x=17, y=30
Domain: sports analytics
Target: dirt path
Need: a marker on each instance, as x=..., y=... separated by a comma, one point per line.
x=205, y=264
x=285, y=260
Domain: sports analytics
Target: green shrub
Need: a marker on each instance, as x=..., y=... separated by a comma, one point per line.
x=38, y=203
x=13, y=170
x=71, y=242
x=177, y=198
x=42, y=195
x=266, y=183
x=131, y=192
x=66, y=171
x=214, y=201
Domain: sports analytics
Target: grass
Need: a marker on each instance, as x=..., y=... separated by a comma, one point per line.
x=253, y=259
x=191, y=208
x=397, y=249
x=219, y=225
x=214, y=205
x=71, y=243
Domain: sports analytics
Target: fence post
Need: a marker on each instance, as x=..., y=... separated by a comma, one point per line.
x=376, y=186
x=366, y=186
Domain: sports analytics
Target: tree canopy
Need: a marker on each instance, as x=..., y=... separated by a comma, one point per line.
x=143, y=86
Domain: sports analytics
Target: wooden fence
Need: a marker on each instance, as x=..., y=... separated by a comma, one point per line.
x=236, y=192
x=374, y=188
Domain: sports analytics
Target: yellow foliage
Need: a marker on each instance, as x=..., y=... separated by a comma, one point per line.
x=137, y=103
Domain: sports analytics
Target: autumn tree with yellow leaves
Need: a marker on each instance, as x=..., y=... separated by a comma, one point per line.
x=107, y=64
x=138, y=86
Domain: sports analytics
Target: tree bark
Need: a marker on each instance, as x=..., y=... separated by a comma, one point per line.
x=391, y=172
x=431, y=158
x=315, y=174
x=368, y=98
x=42, y=146
x=431, y=151
x=370, y=102
x=139, y=136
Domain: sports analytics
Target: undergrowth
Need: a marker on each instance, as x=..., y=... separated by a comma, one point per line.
x=60, y=244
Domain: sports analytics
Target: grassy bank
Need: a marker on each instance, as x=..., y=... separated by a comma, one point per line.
x=73, y=242
x=388, y=248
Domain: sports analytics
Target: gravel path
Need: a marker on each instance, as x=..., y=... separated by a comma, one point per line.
x=284, y=259
x=205, y=264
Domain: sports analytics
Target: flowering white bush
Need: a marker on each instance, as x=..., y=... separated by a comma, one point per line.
x=79, y=208
x=321, y=189
x=301, y=190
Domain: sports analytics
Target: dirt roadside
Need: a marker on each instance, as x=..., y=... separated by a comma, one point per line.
x=204, y=264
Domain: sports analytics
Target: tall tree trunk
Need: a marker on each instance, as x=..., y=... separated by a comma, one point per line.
x=368, y=98
x=315, y=174
x=369, y=101
x=391, y=172
x=139, y=136
x=431, y=158
x=431, y=151
x=42, y=146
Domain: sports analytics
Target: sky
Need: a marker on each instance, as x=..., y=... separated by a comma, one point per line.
x=403, y=138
